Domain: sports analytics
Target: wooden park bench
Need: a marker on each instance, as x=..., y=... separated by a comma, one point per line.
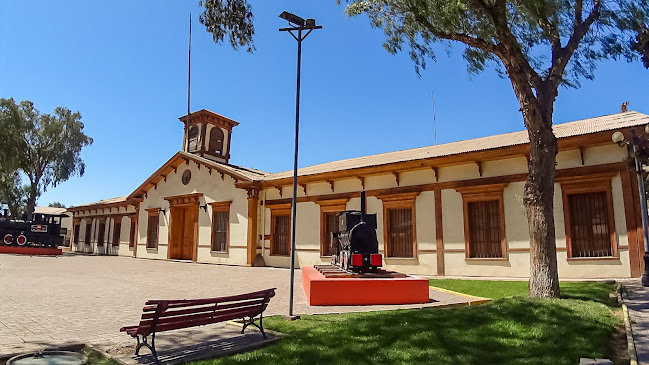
x=167, y=315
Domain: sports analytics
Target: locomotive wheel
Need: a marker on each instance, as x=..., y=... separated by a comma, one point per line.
x=8, y=239
x=21, y=240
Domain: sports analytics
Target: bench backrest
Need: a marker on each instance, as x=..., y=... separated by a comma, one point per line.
x=167, y=315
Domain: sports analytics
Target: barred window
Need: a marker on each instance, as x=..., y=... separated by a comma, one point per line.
x=101, y=231
x=77, y=227
x=400, y=232
x=590, y=231
x=329, y=240
x=88, y=231
x=220, y=230
x=280, y=237
x=152, y=230
x=117, y=231
x=133, y=235
x=484, y=226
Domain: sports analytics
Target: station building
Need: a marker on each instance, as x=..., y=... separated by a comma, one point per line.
x=450, y=209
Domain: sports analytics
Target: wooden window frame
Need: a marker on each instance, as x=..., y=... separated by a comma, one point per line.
x=87, y=237
x=328, y=206
x=77, y=232
x=596, y=183
x=279, y=210
x=481, y=193
x=101, y=242
x=152, y=212
x=399, y=201
x=209, y=147
x=117, y=233
x=223, y=206
x=132, y=237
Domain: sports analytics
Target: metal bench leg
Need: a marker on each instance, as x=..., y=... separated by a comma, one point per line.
x=251, y=321
x=145, y=343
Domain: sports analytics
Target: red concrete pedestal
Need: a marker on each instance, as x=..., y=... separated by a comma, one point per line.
x=32, y=251
x=362, y=291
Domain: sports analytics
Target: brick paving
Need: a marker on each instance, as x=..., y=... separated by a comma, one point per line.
x=48, y=301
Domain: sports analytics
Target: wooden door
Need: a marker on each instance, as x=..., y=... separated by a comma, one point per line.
x=181, y=238
x=188, y=233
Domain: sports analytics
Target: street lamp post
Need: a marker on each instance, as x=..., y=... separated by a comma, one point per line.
x=634, y=142
x=298, y=25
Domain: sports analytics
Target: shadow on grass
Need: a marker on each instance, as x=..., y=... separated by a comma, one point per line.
x=506, y=331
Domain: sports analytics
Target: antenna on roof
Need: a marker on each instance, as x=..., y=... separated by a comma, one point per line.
x=434, y=118
x=624, y=107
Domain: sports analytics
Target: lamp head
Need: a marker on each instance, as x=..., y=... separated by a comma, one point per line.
x=293, y=19
x=646, y=128
x=618, y=137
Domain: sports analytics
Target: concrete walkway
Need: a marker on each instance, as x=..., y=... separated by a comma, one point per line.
x=47, y=301
x=638, y=304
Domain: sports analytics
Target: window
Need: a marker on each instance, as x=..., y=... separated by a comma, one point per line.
x=132, y=237
x=588, y=215
x=117, y=231
x=88, y=231
x=101, y=232
x=152, y=229
x=280, y=239
x=220, y=225
x=329, y=210
x=192, y=139
x=590, y=234
x=399, y=234
x=216, y=140
x=77, y=226
x=484, y=222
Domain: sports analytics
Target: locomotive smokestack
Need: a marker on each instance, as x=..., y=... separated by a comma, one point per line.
x=363, y=206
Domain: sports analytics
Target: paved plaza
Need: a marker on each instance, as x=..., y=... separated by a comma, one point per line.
x=74, y=298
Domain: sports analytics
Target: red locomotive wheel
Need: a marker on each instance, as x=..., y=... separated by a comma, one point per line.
x=21, y=240
x=8, y=239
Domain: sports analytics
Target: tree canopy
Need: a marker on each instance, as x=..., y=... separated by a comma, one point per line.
x=46, y=150
x=231, y=19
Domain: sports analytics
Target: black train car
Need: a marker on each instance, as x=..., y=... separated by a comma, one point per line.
x=44, y=230
x=358, y=246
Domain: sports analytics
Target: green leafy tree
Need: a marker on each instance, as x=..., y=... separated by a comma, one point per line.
x=539, y=45
x=231, y=19
x=50, y=148
x=56, y=205
x=12, y=194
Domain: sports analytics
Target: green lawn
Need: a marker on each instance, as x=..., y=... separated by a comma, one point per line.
x=512, y=329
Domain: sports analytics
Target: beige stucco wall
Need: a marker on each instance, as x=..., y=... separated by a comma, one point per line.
x=516, y=228
x=215, y=189
x=308, y=219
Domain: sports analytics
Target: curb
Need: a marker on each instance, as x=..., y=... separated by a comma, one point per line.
x=630, y=344
x=473, y=300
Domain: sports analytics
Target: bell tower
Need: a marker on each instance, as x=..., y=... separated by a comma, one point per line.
x=208, y=134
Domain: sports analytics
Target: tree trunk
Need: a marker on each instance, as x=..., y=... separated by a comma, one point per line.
x=539, y=203
x=31, y=202
x=539, y=187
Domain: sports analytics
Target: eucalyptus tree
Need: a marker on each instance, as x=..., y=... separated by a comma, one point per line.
x=48, y=146
x=540, y=45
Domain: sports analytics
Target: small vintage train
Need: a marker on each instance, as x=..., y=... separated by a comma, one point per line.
x=44, y=230
x=358, y=247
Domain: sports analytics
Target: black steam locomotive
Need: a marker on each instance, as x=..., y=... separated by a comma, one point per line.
x=358, y=249
x=44, y=230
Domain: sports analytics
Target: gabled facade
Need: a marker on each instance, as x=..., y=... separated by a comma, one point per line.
x=451, y=209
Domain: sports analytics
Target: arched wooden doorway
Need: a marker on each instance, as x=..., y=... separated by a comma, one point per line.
x=183, y=226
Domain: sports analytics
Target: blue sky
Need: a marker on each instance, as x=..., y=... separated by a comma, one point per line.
x=123, y=65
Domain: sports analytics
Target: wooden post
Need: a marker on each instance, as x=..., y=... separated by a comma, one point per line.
x=253, y=202
x=439, y=232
